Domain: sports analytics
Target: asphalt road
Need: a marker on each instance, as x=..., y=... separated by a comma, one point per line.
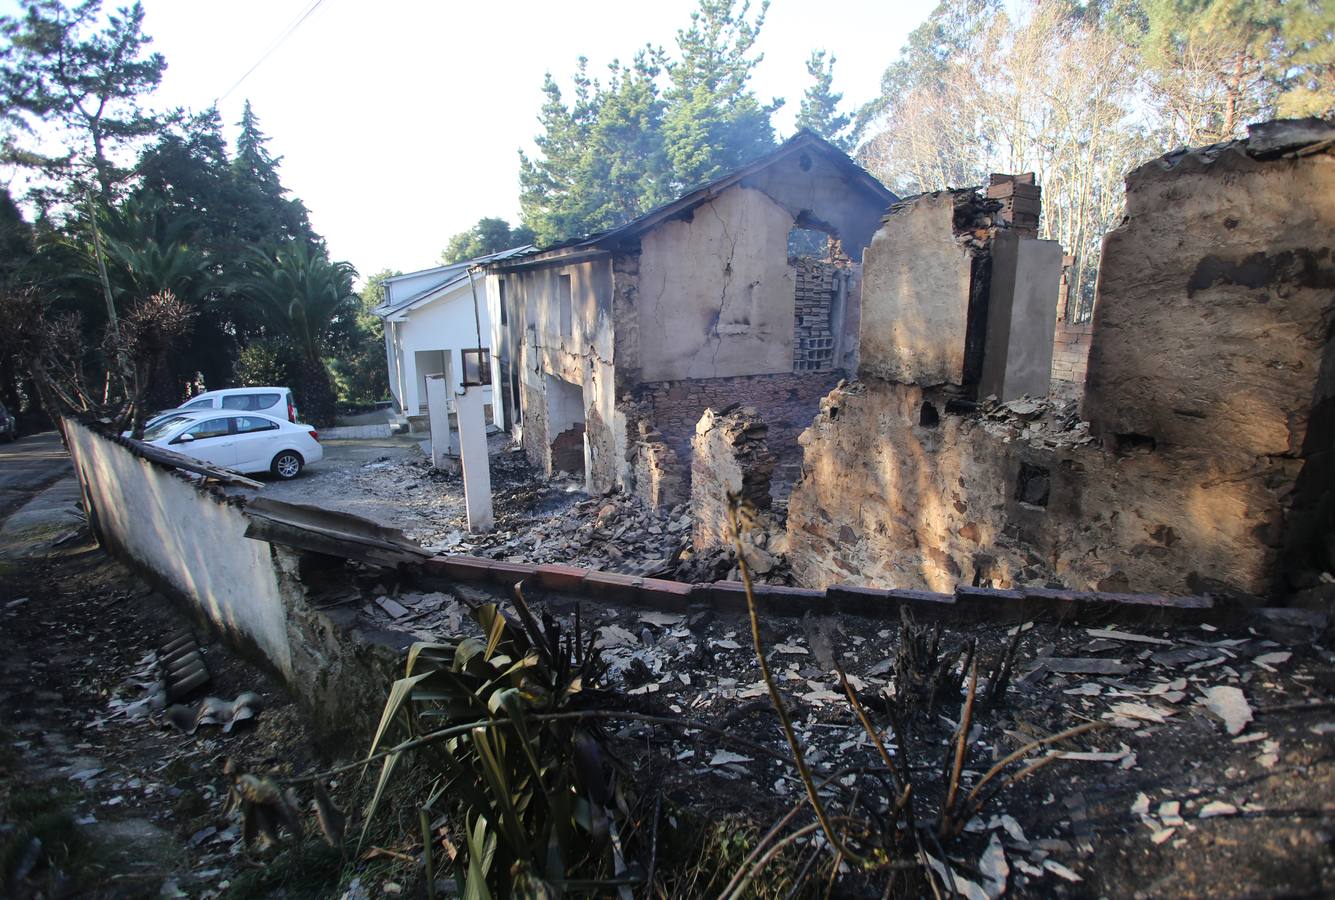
x=28, y=465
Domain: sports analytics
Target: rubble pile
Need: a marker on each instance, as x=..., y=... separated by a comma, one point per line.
x=659, y=474
x=1209, y=740
x=616, y=533
x=975, y=220
x=1044, y=423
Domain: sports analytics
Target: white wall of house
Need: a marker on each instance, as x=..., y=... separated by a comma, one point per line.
x=430, y=338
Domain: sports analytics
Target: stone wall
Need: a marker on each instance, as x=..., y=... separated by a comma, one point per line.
x=786, y=402
x=891, y=496
x=921, y=320
x=536, y=447
x=660, y=476
x=1216, y=300
x=729, y=457
x=1208, y=462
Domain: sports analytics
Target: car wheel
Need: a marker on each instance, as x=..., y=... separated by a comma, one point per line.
x=286, y=465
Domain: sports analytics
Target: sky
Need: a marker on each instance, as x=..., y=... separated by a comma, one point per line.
x=399, y=121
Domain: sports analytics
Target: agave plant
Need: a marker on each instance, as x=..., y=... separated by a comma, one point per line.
x=515, y=767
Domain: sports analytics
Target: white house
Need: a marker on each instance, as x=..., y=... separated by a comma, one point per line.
x=432, y=318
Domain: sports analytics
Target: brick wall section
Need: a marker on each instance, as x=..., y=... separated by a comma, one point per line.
x=965, y=603
x=1070, y=356
x=786, y=402
x=813, y=341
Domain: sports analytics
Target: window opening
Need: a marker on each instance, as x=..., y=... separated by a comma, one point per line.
x=477, y=366
x=567, y=310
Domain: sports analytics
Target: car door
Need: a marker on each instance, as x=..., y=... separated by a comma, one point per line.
x=212, y=441
x=256, y=443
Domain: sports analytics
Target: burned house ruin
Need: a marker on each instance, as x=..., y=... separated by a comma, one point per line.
x=744, y=290
x=1201, y=457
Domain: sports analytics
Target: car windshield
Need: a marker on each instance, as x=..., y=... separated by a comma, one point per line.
x=164, y=427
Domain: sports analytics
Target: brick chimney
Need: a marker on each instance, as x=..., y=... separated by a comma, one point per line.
x=1021, y=202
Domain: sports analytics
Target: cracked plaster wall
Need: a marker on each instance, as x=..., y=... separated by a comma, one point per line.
x=716, y=291
x=885, y=501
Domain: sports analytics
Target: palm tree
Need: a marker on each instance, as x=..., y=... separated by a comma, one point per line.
x=148, y=251
x=299, y=294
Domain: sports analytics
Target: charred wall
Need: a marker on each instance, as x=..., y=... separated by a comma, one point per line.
x=1207, y=460
x=891, y=495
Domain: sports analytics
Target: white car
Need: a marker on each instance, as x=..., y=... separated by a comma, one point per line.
x=242, y=442
x=272, y=401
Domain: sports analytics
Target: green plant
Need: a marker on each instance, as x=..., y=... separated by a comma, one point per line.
x=299, y=294
x=267, y=361
x=308, y=869
x=532, y=801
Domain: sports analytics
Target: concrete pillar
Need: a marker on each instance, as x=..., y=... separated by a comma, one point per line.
x=1017, y=355
x=473, y=453
x=444, y=448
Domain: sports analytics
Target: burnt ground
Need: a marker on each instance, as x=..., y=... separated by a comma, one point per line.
x=126, y=806
x=122, y=804
x=1174, y=805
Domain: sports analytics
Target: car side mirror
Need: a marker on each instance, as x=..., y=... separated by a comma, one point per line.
x=184, y=439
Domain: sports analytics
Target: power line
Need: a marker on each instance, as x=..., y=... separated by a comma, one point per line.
x=273, y=45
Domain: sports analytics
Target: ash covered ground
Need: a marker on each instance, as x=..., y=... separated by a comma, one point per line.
x=1210, y=772
x=538, y=520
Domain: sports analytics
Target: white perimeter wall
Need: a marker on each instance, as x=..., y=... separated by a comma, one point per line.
x=190, y=539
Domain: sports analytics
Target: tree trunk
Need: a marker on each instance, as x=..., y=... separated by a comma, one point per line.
x=318, y=403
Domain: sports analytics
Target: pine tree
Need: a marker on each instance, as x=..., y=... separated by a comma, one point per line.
x=1307, y=84
x=820, y=104
x=71, y=68
x=270, y=217
x=626, y=146
x=625, y=167
x=713, y=122
x=550, y=194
